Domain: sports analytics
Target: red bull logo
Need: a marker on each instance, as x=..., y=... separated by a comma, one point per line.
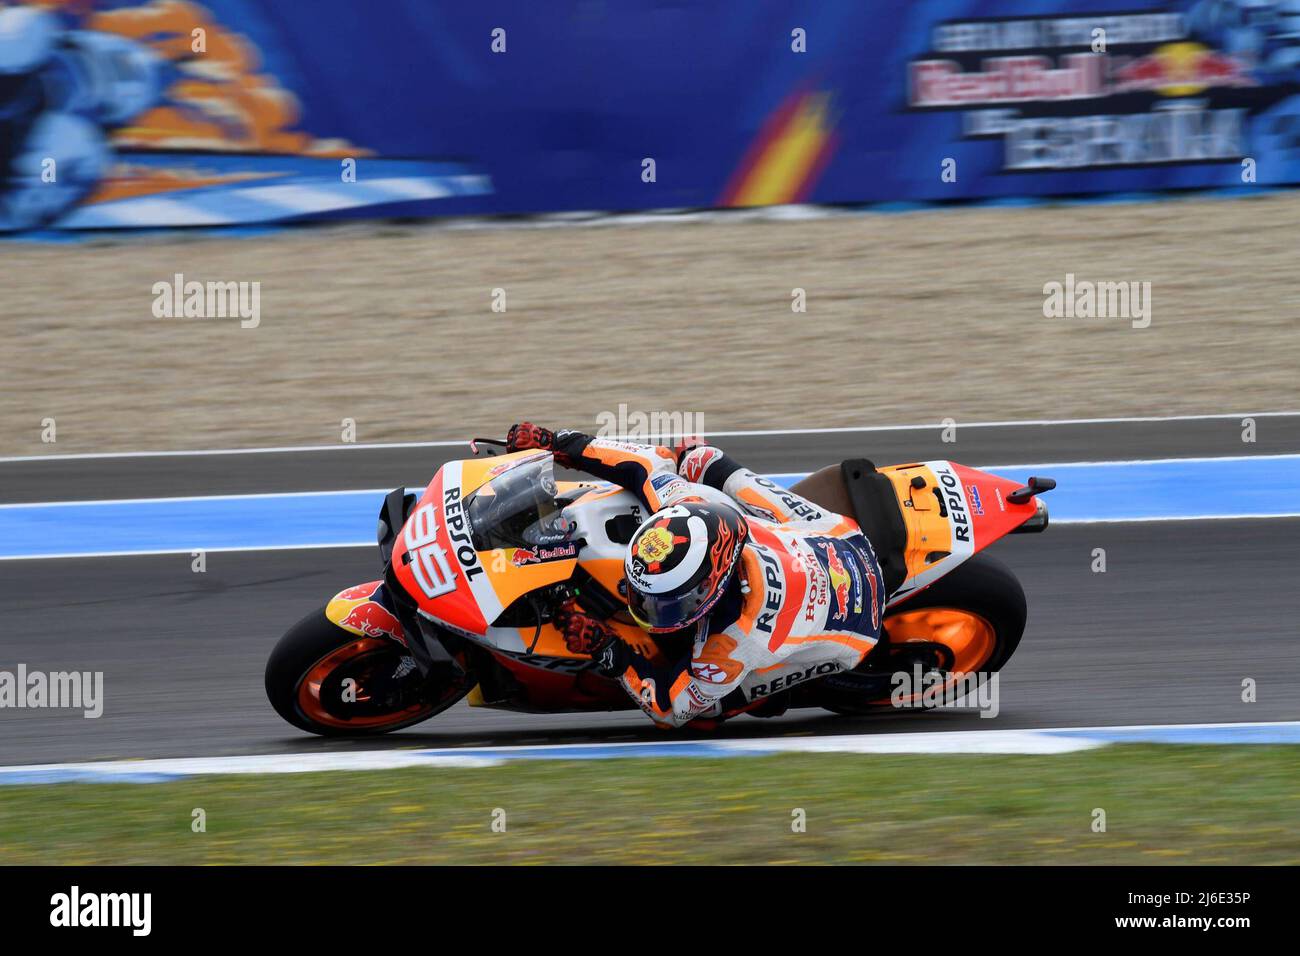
x=1180, y=69
x=353, y=610
x=523, y=556
x=373, y=620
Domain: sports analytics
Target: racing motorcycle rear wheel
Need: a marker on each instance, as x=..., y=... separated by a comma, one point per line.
x=327, y=680
x=968, y=622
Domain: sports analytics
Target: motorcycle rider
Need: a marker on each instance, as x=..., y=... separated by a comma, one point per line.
x=776, y=589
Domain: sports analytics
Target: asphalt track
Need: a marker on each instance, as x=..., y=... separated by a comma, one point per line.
x=1185, y=611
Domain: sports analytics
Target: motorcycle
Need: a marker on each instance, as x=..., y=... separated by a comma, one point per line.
x=475, y=568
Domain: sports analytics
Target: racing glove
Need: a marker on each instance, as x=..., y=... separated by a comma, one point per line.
x=583, y=634
x=526, y=435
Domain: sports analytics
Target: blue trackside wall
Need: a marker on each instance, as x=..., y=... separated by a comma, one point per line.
x=233, y=111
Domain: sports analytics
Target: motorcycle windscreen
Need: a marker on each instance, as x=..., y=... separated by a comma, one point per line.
x=520, y=530
x=517, y=509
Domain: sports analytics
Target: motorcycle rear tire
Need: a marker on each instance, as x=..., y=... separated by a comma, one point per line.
x=982, y=587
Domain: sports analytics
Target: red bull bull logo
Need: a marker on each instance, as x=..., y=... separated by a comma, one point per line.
x=373, y=620
x=353, y=610
x=1180, y=69
x=847, y=584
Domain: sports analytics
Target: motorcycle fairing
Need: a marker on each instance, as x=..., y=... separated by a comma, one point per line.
x=444, y=576
x=436, y=561
x=467, y=590
x=951, y=512
x=365, y=610
x=594, y=508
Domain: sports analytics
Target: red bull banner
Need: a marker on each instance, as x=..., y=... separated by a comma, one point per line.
x=1175, y=96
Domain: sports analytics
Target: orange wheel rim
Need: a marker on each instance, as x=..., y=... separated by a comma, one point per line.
x=971, y=639
x=309, y=700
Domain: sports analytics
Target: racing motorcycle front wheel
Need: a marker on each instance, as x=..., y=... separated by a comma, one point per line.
x=329, y=681
x=968, y=622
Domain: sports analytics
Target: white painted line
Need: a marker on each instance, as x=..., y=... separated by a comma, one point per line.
x=1220, y=725
x=986, y=742
x=1243, y=517
x=1193, y=460
x=191, y=453
x=949, y=742
x=290, y=449
x=154, y=501
x=1034, y=741
x=1011, y=423
x=260, y=763
x=231, y=550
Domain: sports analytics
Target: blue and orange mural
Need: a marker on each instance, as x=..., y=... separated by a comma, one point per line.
x=160, y=114
x=126, y=113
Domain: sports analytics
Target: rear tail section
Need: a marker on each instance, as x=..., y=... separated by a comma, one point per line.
x=951, y=512
x=924, y=519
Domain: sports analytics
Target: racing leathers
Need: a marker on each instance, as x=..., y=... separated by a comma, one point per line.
x=806, y=599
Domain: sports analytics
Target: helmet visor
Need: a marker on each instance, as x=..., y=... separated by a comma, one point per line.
x=660, y=613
